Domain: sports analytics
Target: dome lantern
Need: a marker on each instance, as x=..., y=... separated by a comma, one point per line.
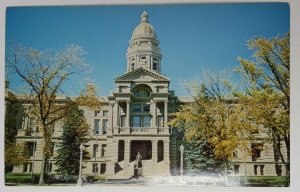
x=144, y=17
x=143, y=50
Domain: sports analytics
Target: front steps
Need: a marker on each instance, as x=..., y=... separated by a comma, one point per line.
x=149, y=169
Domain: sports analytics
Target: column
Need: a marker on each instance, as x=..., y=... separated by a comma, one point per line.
x=115, y=150
x=154, y=114
x=128, y=114
x=166, y=114
x=167, y=151
x=117, y=114
x=154, y=150
x=127, y=151
x=111, y=126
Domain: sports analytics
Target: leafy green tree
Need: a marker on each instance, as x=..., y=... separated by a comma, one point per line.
x=75, y=132
x=199, y=157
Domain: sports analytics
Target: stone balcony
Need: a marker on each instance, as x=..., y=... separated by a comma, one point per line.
x=141, y=131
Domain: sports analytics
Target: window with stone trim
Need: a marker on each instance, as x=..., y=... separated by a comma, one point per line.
x=95, y=149
x=95, y=168
x=256, y=149
x=96, y=126
x=103, y=150
x=104, y=126
x=236, y=169
x=102, y=168
x=105, y=113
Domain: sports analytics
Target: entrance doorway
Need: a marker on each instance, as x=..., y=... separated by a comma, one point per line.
x=144, y=147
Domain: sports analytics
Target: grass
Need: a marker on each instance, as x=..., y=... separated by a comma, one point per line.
x=19, y=178
x=268, y=181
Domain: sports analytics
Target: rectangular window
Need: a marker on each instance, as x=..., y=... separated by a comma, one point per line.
x=96, y=126
x=154, y=66
x=95, y=149
x=236, y=169
x=25, y=167
x=103, y=168
x=261, y=169
x=105, y=113
x=30, y=148
x=103, y=150
x=95, y=167
x=147, y=120
x=136, y=121
x=255, y=169
x=123, y=120
x=278, y=169
x=104, y=126
x=97, y=113
x=146, y=108
x=256, y=149
x=136, y=108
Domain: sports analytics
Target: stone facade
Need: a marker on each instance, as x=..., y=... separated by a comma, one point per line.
x=134, y=119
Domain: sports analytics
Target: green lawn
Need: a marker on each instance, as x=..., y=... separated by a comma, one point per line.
x=268, y=181
x=18, y=178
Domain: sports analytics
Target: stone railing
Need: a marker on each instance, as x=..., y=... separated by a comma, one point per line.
x=141, y=131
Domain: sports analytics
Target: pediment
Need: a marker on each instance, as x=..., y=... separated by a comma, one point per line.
x=140, y=75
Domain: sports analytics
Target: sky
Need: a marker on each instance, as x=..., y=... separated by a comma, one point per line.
x=193, y=37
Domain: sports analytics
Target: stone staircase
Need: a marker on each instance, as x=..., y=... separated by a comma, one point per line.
x=126, y=172
x=149, y=169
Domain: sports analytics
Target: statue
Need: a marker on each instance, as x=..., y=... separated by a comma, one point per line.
x=138, y=161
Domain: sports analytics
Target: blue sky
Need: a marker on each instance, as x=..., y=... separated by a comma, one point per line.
x=192, y=37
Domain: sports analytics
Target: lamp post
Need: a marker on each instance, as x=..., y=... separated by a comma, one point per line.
x=181, y=161
x=33, y=152
x=96, y=149
x=79, y=181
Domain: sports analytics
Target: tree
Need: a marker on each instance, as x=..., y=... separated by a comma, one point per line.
x=216, y=117
x=13, y=120
x=15, y=154
x=44, y=73
x=200, y=157
x=75, y=132
x=267, y=90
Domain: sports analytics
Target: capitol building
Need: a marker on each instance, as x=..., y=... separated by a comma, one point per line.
x=134, y=119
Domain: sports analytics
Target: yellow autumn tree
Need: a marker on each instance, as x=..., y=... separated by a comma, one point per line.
x=215, y=116
x=43, y=74
x=266, y=96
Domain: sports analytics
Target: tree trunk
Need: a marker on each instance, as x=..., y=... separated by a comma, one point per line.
x=42, y=173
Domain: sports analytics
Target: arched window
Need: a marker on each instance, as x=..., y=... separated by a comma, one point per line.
x=142, y=92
